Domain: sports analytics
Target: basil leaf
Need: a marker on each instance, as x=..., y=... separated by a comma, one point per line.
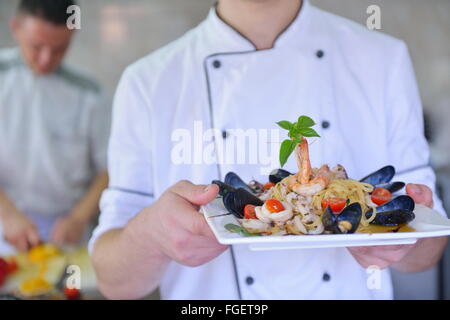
x=305, y=122
x=285, y=124
x=233, y=227
x=308, y=132
x=241, y=230
x=245, y=233
x=286, y=148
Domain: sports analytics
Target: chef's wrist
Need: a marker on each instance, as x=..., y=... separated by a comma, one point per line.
x=138, y=235
x=79, y=218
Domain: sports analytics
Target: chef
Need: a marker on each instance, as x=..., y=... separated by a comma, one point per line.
x=247, y=66
x=54, y=132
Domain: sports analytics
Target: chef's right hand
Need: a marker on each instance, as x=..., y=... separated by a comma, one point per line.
x=19, y=231
x=174, y=224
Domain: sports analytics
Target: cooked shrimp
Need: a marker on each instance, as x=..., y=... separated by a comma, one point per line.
x=263, y=214
x=303, y=163
x=301, y=182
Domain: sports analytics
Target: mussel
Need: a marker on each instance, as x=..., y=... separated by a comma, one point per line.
x=392, y=186
x=235, y=201
x=278, y=174
x=395, y=212
x=347, y=221
x=223, y=187
x=236, y=182
x=382, y=178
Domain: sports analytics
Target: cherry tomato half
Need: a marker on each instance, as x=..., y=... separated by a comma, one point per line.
x=336, y=204
x=268, y=185
x=3, y=271
x=249, y=212
x=380, y=196
x=274, y=205
x=72, y=294
x=12, y=266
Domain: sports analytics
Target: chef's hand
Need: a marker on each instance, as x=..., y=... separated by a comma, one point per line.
x=174, y=224
x=19, y=231
x=384, y=256
x=67, y=230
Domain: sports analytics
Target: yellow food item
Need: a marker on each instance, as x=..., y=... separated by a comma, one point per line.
x=35, y=286
x=40, y=256
x=350, y=189
x=43, y=252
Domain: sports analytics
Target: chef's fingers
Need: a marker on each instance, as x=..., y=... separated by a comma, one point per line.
x=20, y=243
x=57, y=236
x=421, y=194
x=195, y=194
x=33, y=236
x=201, y=227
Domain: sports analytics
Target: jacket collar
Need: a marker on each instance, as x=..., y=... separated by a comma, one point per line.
x=222, y=38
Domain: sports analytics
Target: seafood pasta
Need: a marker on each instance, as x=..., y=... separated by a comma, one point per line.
x=315, y=200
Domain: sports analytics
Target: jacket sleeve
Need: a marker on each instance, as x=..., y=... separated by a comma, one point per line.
x=407, y=145
x=129, y=158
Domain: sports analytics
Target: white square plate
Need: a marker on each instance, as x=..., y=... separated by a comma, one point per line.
x=428, y=223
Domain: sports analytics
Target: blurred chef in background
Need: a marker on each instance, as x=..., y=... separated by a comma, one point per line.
x=54, y=132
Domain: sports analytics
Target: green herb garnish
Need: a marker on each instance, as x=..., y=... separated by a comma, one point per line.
x=297, y=130
x=241, y=230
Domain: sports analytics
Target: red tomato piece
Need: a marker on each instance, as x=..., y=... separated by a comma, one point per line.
x=268, y=185
x=336, y=204
x=12, y=266
x=3, y=271
x=72, y=294
x=274, y=205
x=380, y=196
x=249, y=212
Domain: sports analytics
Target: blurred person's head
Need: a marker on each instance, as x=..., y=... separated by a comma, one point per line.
x=41, y=32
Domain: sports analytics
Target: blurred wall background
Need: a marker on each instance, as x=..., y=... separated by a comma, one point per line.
x=117, y=32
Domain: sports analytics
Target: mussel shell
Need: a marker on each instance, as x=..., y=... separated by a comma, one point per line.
x=352, y=213
x=235, y=181
x=383, y=175
x=394, y=218
x=278, y=174
x=397, y=211
x=402, y=202
x=235, y=201
x=223, y=187
x=392, y=186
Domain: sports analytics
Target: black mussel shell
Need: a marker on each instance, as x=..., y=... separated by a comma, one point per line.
x=383, y=175
x=278, y=174
x=235, y=181
x=392, y=186
x=394, y=218
x=352, y=214
x=235, y=201
x=329, y=219
x=397, y=211
x=223, y=187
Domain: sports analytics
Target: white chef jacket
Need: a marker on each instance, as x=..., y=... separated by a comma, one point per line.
x=54, y=133
x=357, y=84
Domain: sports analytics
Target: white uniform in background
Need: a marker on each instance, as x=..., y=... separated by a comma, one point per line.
x=357, y=84
x=54, y=132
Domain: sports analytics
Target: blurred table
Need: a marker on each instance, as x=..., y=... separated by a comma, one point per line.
x=56, y=267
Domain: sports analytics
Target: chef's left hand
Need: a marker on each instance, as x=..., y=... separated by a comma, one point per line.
x=67, y=230
x=384, y=256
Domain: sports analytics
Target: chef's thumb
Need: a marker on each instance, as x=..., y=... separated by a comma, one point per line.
x=420, y=194
x=195, y=194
